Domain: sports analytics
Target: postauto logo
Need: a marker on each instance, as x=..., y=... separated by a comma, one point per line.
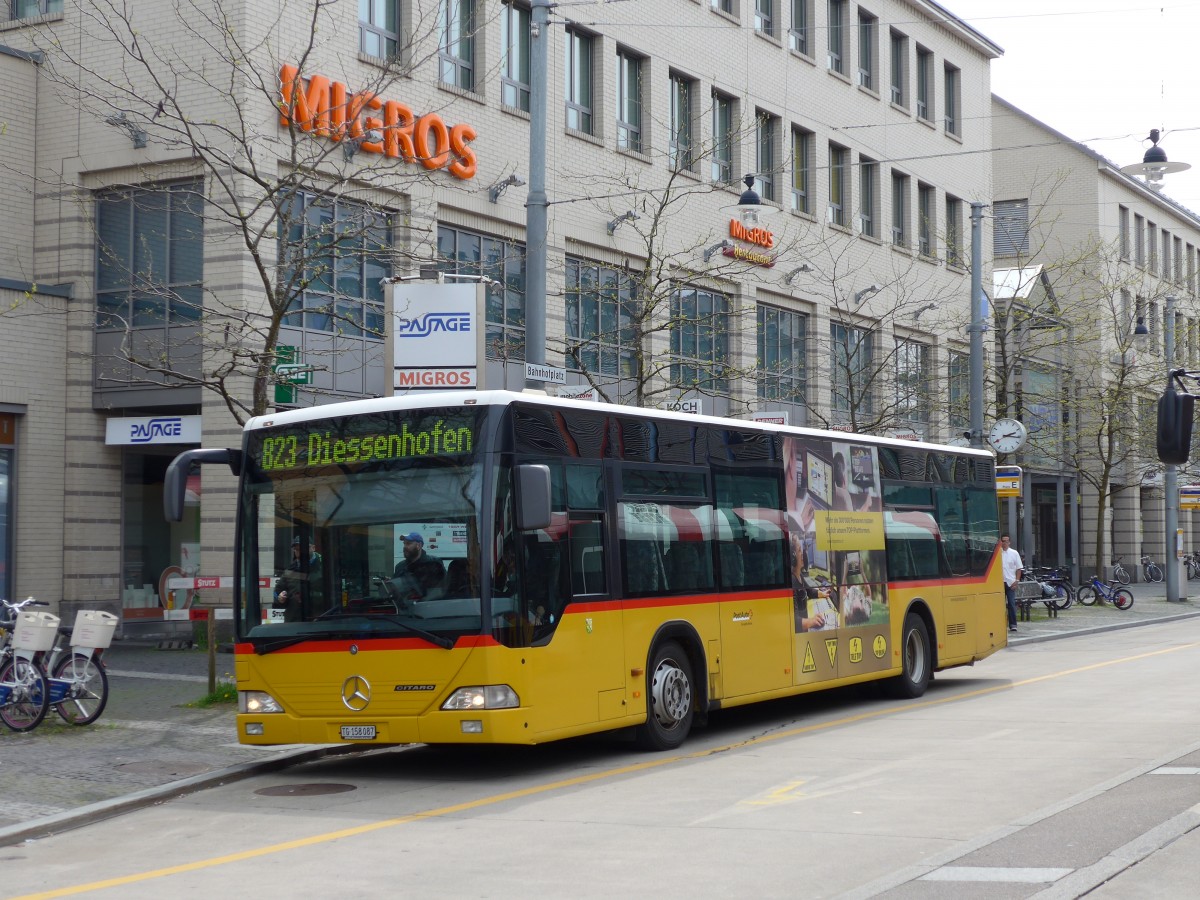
x=145, y=432
x=431, y=323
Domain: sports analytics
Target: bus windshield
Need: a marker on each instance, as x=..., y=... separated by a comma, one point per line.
x=364, y=525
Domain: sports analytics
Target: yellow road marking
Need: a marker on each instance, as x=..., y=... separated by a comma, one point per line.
x=581, y=780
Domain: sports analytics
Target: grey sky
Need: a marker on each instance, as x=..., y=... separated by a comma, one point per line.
x=1103, y=72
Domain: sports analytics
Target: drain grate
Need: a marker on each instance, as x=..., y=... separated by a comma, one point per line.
x=311, y=789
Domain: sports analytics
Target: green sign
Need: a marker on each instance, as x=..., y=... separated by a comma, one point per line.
x=361, y=442
x=290, y=371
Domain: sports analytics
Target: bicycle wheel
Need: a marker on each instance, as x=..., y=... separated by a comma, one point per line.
x=30, y=699
x=1065, y=596
x=1193, y=571
x=1121, y=575
x=1122, y=599
x=1086, y=595
x=88, y=693
x=1153, y=573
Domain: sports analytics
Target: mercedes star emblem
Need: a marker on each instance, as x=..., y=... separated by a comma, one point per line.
x=356, y=693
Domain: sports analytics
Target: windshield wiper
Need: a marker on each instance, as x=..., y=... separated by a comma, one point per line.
x=443, y=642
x=264, y=647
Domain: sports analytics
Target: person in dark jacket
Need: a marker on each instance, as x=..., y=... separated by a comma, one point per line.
x=418, y=572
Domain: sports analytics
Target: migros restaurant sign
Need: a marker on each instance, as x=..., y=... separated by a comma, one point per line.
x=760, y=237
x=331, y=110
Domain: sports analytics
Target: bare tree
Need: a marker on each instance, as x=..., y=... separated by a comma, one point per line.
x=291, y=173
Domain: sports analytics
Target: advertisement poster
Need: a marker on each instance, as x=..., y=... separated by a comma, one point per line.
x=835, y=522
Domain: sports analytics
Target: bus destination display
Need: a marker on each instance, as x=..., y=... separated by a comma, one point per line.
x=320, y=446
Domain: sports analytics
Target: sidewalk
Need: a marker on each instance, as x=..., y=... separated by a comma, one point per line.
x=149, y=745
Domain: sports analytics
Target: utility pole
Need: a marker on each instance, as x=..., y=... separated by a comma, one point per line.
x=1171, y=564
x=536, y=205
x=977, y=325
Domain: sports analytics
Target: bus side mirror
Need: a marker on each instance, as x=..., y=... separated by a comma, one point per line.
x=1175, y=411
x=175, y=484
x=532, y=489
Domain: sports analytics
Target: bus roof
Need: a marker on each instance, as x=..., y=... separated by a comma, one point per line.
x=534, y=398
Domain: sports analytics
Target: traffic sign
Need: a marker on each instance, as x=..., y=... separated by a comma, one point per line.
x=1189, y=497
x=1008, y=481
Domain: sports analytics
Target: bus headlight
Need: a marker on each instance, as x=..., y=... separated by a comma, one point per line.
x=257, y=702
x=488, y=696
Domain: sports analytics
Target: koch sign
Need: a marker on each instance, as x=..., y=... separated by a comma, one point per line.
x=436, y=336
x=153, y=430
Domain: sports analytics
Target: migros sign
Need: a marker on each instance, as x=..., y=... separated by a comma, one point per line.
x=330, y=109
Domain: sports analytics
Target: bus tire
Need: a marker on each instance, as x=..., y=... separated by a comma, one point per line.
x=917, y=661
x=670, y=699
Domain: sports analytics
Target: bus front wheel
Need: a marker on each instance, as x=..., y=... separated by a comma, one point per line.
x=670, y=699
x=917, y=661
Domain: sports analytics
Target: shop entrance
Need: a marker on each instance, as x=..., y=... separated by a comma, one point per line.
x=1055, y=531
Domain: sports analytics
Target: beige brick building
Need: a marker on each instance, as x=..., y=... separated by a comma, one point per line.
x=1100, y=251
x=136, y=192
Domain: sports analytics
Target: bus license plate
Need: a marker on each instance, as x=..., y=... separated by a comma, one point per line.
x=358, y=732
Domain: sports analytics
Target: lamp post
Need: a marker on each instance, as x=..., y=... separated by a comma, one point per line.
x=536, y=203
x=977, y=326
x=1171, y=563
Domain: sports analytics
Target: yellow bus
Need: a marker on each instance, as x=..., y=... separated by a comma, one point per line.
x=493, y=567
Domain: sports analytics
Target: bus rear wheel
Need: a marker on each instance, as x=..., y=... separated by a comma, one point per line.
x=917, y=661
x=670, y=699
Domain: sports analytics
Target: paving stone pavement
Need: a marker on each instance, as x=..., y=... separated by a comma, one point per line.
x=149, y=744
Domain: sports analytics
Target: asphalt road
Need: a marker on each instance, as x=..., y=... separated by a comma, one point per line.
x=1054, y=769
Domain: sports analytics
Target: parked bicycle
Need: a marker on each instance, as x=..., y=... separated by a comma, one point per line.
x=78, y=680
x=1151, y=573
x=1119, y=597
x=24, y=689
x=1056, y=584
x=1192, y=561
x=1119, y=572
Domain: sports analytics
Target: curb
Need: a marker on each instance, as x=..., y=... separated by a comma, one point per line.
x=1099, y=629
x=67, y=820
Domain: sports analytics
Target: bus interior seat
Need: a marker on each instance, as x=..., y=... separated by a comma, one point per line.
x=733, y=570
x=457, y=583
x=685, y=568
x=644, y=569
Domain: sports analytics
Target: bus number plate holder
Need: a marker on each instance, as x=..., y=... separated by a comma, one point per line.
x=358, y=732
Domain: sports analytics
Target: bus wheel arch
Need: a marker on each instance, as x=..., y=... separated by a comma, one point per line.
x=918, y=655
x=675, y=687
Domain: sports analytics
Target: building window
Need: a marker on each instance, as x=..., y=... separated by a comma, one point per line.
x=899, y=69
x=725, y=6
x=578, y=81
x=457, y=50
x=802, y=162
x=837, y=38
x=344, y=250
x=1177, y=258
x=782, y=365
x=798, y=35
x=150, y=257
x=629, y=101
x=1010, y=227
x=463, y=252
x=601, y=307
x=1152, y=247
x=379, y=28
x=899, y=210
x=699, y=340
x=953, y=99
x=722, y=131
x=913, y=395
x=681, y=123
x=766, y=137
x=850, y=378
x=958, y=385
x=924, y=84
x=868, y=197
x=868, y=27
x=764, y=22
x=27, y=9
x=838, y=198
x=954, y=246
x=1123, y=232
x=1166, y=255
x=926, y=219
x=1139, y=240
x=514, y=51
x=1191, y=269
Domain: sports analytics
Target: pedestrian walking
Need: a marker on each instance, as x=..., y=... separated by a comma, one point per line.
x=1012, y=569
